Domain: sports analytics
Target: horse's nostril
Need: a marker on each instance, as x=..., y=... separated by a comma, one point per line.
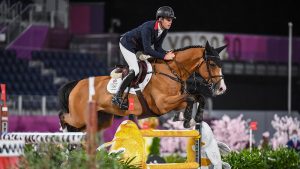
x=221, y=89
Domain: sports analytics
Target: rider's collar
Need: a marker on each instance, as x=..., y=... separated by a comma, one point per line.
x=160, y=30
x=156, y=25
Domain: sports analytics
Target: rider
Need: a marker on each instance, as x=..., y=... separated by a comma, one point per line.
x=141, y=39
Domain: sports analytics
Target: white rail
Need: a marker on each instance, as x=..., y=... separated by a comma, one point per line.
x=74, y=137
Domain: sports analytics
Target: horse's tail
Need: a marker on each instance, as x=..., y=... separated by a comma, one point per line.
x=63, y=95
x=63, y=99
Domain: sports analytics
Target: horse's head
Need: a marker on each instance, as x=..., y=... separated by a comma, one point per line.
x=210, y=69
x=206, y=61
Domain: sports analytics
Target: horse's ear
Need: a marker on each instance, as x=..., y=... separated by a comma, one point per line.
x=207, y=46
x=220, y=48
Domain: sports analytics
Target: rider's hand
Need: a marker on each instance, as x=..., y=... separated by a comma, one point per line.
x=169, y=56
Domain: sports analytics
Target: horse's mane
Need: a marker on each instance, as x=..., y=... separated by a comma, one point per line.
x=187, y=47
x=175, y=50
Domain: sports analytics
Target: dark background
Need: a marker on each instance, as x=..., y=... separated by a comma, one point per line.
x=248, y=17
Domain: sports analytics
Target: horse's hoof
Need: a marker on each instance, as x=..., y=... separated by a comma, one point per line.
x=186, y=124
x=192, y=123
x=198, y=118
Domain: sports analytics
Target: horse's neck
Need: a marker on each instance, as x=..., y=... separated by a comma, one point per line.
x=187, y=61
x=184, y=64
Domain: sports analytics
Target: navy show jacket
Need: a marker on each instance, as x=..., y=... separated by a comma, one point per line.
x=142, y=37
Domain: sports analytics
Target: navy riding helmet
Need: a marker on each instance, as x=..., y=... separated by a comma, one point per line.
x=165, y=11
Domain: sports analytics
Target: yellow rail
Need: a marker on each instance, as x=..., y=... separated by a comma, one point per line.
x=191, y=165
x=170, y=133
x=129, y=136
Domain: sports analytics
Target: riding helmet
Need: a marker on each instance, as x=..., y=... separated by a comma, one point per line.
x=165, y=11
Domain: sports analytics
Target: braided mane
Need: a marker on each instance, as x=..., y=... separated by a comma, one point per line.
x=187, y=47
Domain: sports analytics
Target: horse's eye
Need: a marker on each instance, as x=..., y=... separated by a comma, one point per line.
x=212, y=64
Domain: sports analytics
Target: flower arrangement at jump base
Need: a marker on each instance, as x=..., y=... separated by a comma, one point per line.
x=233, y=132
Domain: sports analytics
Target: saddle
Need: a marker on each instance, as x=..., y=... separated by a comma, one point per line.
x=136, y=86
x=139, y=78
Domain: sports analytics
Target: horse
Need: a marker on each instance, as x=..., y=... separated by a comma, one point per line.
x=164, y=92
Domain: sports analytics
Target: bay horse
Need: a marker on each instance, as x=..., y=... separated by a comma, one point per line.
x=165, y=91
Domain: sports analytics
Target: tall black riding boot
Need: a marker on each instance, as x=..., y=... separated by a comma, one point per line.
x=117, y=98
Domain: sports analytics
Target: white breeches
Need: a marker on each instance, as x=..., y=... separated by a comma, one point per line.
x=131, y=59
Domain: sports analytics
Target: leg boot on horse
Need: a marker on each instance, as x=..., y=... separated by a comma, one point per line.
x=186, y=115
x=188, y=112
x=200, y=110
x=117, y=98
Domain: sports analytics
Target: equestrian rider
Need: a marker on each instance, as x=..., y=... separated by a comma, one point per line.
x=140, y=39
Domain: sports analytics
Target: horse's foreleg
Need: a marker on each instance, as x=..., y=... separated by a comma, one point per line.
x=188, y=112
x=178, y=102
x=186, y=116
x=199, y=114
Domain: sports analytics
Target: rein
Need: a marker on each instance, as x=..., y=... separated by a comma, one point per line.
x=177, y=77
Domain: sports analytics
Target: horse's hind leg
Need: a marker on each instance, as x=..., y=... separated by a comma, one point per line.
x=104, y=120
x=71, y=124
x=177, y=116
x=62, y=122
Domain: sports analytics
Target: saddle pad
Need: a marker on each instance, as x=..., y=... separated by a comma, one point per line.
x=114, y=83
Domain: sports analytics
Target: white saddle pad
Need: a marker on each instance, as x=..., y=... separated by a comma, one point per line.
x=114, y=83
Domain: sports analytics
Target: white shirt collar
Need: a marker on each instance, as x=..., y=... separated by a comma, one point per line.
x=160, y=30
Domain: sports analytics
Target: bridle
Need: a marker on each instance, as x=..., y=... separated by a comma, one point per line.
x=206, y=59
x=178, y=77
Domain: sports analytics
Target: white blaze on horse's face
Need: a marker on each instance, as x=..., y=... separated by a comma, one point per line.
x=221, y=87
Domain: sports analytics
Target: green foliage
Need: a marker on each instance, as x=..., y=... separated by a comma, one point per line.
x=113, y=161
x=284, y=157
x=246, y=160
x=175, y=158
x=263, y=159
x=51, y=156
x=155, y=146
x=47, y=157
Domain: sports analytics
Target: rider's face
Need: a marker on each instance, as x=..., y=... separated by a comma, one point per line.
x=166, y=23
